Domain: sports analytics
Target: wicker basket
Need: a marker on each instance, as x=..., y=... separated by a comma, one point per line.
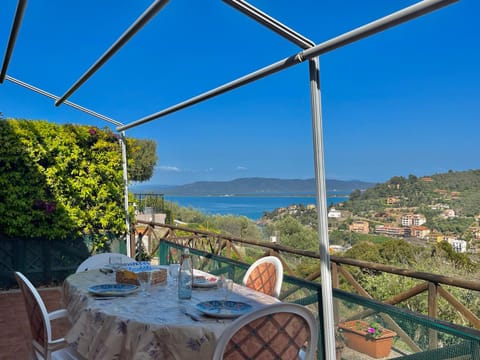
x=159, y=276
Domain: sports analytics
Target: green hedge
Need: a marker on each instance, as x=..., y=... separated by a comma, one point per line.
x=59, y=181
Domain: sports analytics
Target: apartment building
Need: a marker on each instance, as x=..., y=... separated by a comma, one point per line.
x=413, y=220
x=360, y=226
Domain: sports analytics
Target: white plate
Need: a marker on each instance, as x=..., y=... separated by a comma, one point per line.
x=113, y=289
x=200, y=281
x=223, y=309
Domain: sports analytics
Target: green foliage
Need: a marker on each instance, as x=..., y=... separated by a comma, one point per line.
x=295, y=235
x=142, y=155
x=58, y=181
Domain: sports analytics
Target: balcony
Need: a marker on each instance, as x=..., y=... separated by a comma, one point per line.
x=418, y=336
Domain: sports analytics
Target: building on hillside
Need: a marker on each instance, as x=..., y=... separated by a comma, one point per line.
x=292, y=209
x=426, y=179
x=420, y=232
x=334, y=213
x=360, y=226
x=311, y=207
x=392, y=200
x=413, y=220
x=336, y=249
x=475, y=232
x=454, y=195
x=391, y=230
x=448, y=214
x=458, y=245
x=439, y=206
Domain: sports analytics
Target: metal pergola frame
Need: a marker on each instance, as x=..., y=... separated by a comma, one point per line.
x=310, y=52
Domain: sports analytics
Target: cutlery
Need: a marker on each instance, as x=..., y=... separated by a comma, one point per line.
x=105, y=297
x=192, y=316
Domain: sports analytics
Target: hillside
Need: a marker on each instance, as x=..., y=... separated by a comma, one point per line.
x=253, y=186
x=460, y=190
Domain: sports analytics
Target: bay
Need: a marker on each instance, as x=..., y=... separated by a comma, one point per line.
x=252, y=207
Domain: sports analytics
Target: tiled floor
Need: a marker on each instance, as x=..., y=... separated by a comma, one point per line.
x=15, y=335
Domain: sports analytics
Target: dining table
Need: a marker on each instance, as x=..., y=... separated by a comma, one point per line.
x=133, y=326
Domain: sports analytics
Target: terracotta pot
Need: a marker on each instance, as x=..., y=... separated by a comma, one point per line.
x=356, y=339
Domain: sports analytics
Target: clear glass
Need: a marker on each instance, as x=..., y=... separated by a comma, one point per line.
x=173, y=270
x=226, y=288
x=115, y=262
x=145, y=280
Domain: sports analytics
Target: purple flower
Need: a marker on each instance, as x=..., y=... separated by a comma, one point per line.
x=92, y=131
x=371, y=330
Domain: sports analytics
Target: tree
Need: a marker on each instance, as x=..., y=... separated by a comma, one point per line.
x=142, y=155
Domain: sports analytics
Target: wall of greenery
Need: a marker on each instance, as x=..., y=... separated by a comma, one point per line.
x=61, y=181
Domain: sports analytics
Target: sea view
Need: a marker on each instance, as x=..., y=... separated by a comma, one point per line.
x=252, y=207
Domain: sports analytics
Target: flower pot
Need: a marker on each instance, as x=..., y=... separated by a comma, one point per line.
x=356, y=338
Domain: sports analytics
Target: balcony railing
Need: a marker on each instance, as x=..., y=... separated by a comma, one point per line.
x=419, y=336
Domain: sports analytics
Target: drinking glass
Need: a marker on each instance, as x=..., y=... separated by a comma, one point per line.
x=115, y=262
x=173, y=270
x=145, y=279
x=226, y=288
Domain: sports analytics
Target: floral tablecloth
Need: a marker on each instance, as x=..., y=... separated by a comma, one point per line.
x=136, y=327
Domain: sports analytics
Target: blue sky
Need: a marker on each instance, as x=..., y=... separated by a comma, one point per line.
x=406, y=101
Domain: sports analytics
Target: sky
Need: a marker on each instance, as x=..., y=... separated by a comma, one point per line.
x=404, y=101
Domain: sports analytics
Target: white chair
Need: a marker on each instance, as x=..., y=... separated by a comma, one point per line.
x=100, y=260
x=265, y=275
x=280, y=331
x=44, y=347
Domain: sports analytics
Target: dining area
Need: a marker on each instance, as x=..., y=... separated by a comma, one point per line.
x=120, y=312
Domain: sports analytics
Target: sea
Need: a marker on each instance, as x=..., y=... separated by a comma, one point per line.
x=252, y=207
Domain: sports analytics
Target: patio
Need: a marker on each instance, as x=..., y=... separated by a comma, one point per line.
x=15, y=335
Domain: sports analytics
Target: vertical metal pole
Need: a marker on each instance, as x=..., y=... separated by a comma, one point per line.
x=123, y=142
x=320, y=184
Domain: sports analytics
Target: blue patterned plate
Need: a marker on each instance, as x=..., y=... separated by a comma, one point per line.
x=223, y=309
x=113, y=289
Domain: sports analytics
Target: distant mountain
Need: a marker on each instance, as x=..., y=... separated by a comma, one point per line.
x=253, y=186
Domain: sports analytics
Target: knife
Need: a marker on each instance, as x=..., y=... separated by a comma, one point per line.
x=192, y=316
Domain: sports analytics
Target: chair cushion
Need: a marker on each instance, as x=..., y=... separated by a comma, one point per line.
x=263, y=278
x=275, y=336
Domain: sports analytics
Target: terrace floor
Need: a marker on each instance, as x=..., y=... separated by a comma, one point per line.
x=15, y=335
x=15, y=338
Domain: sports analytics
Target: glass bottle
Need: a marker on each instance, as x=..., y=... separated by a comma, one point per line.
x=185, y=276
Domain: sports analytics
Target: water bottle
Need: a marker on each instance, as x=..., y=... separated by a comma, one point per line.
x=185, y=276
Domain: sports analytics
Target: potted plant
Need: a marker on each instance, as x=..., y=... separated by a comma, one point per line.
x=367, y=337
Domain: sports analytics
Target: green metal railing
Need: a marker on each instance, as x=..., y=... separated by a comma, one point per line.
x=413, y=329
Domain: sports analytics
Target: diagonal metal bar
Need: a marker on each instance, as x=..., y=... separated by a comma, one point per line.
x=273, y=24
x=13, y=37
x=409, y=13
x=122, y=40
x=69, y=103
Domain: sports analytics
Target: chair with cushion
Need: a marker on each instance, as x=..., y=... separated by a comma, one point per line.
x=265, y=275
x=100, y=260
x=44, y=347
x=280, y=331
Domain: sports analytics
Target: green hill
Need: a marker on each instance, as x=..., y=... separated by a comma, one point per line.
x=255, y=186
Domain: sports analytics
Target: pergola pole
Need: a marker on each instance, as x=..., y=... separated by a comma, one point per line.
x=13, y=37
x=123, y=142
x=122, y=40
x=321, y=193
x=409, y=13
x=328, y=323
x=69, y=103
